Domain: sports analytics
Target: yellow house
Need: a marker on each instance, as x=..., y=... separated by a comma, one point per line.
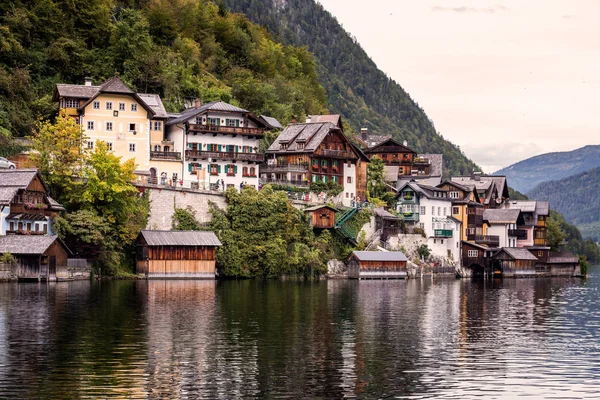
x=132, y=124
x=467, y=208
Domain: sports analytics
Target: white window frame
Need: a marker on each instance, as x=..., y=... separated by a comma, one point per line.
x=71, y=103
x=472, y=253
x=132, y=147
x=157, y=125
x=423, y=210
x=109, y=126
x=90, y=145
x=109, y=105
x=90, y=125
x=121, y=106
x=109, y=145
x=134, y=107
x=96, y=105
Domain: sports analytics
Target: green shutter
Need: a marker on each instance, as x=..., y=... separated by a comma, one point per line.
x=219, y=147
x=190, y=167
x=219, y=169
x=237, y=123
x=227, y=122
x=235, y=169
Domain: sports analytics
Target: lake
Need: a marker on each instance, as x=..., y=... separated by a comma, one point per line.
x=429, y=338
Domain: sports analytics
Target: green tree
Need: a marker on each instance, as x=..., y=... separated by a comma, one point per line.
x=375, y=178
x=556, y=235
x=184, y=219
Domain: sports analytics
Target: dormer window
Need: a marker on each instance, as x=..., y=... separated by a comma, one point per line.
x=284, y=146
x=300, y=145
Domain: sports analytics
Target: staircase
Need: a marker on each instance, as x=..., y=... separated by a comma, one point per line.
x=341, y=220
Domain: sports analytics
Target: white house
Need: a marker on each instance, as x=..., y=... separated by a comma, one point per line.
x=219, y=143
x=502, y=222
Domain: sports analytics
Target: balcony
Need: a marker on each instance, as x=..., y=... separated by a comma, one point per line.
x=226, y=130
x=410, y=216
x=289, y=182
x=284, y=167
x=492, y=241
x=540, y=242
x=422, y=160
x=520, y=234
x=443, y=233
x=225, y=155
x=165, y=155
x=342, y=154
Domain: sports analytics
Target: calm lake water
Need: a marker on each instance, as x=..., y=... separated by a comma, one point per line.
x=440, y=338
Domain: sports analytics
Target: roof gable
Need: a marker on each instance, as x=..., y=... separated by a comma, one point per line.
x=389, y=142
x=517, y=253
x=28, y=244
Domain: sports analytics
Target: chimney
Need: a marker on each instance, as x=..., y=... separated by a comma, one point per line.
x=88, y=81
x=476, y=176
x=405, y=143
x=198, y=103
x=308, y=119
x=364, y=132
x=294, y=119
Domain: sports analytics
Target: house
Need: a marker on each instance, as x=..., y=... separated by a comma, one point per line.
x=386, y=223
x=492, y=190
x=377, y=265
x=563, y=264
x=25, y=206
x=513, y=262
x=317, y=152
x=321, y=216
x=132, y=124
x=502, y=222
x=220, y=145
x=533, y=222
x=430, y=209
x=39, y=257
x=176, y=254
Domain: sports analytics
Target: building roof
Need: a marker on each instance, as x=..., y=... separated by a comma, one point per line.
x=186, y=115
x=542, y=207
x=180, y=238
x=76, y=91
x=427, y=180
x=517, y=253
x=310, y=134
x=380, y=212
x=476, y=245
x=315, y=208
x=380, y=255
x=563, y=260
x=335, y=119
x=271, y=122
x=28, y=244
x=425, y=190
x=55, y=205
x=7, y=194
x=155, y=103
x=13, y=180
x=390, y=173
x=501, y=215
x=388, y=142
x=115, y=85
x=437, y=163
x=523, y=205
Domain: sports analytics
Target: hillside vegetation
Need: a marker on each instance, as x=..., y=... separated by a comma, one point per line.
x=576, y=197
x=356, y=88
x=175, y=48
x=527, y=174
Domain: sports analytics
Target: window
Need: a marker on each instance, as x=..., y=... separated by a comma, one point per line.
x=349, y=179
x=96, y=105
x=109, y=105
x=72, y=103
x=90, y=125
x=454, y=195
x=132, y=147
x=121, y=106
x=157, y=147
x=198, y=120
x=300, y=145
x=133, y=107
x=454, y=210
x=214, y=121
x=472, y=253
x=432, y=210
x=444, y=212
x=439, y=211
x=132, y=127
x=157, y=125
x=540, y=253
x=423, y=209
x=109, y=126
x=230, y=122
x=90, y=144
x=252, y=171
x=110, y=146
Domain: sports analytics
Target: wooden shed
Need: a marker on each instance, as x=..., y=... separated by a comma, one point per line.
x=322, y=216
x=388, y=223
x=38, y=257
x=514, y=262
x=177, y=254
x=563, y=265
x=377, y=265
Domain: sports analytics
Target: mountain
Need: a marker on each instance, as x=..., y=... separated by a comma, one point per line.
x=525, y=175
x=355, y=87
x=576, y=197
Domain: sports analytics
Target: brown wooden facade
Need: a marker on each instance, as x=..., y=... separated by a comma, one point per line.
x=508, y=265
x=47, y=261
x=377, y=265
x=321, y=217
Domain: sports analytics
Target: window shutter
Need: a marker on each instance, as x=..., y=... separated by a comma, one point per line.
x=219, y=148
x=219, y=169
x=227, y=122
x=190, y=167
x=235, y=169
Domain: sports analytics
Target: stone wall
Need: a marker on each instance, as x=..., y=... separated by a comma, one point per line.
x=164, y=200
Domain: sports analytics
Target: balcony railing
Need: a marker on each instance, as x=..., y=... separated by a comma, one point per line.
x=335, y=153
x=520, y=234
x=225, y=155
x=540, y=242
x=422, y=160
x=492, y=241
x=446, y=233
x=233, y=130
x=165, y=155
x=284, y=167
x=290, y=182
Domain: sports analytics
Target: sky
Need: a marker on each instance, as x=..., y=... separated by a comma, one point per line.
x=504, y=80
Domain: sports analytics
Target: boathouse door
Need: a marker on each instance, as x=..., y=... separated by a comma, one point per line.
x=52, y=266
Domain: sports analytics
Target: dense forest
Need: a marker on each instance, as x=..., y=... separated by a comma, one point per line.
x=576, y=197
x=175, y=48
x=356, y=88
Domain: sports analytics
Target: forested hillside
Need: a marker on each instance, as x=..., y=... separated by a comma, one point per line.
x=576, y=197
x=175, y=48
x=527, y=174
x=356, y=88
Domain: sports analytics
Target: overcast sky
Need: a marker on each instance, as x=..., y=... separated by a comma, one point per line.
x=504, y=80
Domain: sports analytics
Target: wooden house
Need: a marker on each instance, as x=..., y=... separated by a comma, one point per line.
x=563, y=265
x=321, y=216
x=317, y=152
x=388, y=223
x=177, y=254
x=514, y=262
x=39, y=257
x=475, y=257
x=377, y=265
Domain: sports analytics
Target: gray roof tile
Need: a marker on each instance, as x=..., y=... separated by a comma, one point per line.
x=26, y=244
x=501, y=215
x=180, y=238
x=518, y=253
x=380, y=255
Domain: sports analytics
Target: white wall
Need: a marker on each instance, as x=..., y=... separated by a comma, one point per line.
x=3, y=224
x=427, y=218
x=349, y=188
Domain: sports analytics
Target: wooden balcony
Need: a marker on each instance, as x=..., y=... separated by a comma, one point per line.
x=442, y=233
x=540, y=242
x=489, y=240
x=289, y=182
x=226, y=130
x=225, y=155
x=520, y=234
x=339, y=154
x=165, y=155
x=284, y=167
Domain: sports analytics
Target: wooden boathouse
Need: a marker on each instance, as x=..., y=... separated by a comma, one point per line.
x=177, y=254
x=37, y=257
x=513, y=262
x=377, y=265
x=321, y=216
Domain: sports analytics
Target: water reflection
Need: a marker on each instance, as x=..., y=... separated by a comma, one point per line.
x=205, y=339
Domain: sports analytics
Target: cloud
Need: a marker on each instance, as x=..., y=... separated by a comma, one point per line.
x=493, y=157
x=569, y=16
x=465, y=9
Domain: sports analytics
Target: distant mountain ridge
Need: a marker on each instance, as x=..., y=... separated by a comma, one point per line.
x=527, y=174
x=355, y=87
